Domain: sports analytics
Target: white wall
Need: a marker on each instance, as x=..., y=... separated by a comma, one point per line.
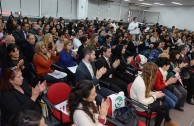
x=181, y=16
x=66, y=8
x=108, y=10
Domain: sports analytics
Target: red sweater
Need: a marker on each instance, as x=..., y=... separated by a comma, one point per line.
x=159, y=82
x=42, y=65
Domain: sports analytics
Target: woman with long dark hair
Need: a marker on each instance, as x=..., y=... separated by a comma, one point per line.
x=82, y=106
x=13, y=57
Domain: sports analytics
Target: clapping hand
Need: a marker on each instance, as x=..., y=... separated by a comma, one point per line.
x=116, y=63
x=42, y=86
x=103, y=108
x=20, y=63
x=100, y=72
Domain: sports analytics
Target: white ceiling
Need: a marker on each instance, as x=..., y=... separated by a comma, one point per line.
x=166, y=2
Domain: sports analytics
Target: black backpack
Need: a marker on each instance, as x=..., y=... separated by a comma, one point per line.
x=127, y=115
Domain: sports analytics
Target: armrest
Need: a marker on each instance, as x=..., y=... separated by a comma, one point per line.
x=140, y=105
x=102, y=83
x=56, y=66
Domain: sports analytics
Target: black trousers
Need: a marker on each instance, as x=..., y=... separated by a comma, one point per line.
x=189, y=85
x=162, y=112
x=70, y=77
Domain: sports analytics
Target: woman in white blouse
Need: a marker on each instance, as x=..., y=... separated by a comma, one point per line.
x=141, y=91
x=82, y=106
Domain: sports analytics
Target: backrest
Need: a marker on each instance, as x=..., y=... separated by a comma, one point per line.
x=58, y=92
x=129, y=88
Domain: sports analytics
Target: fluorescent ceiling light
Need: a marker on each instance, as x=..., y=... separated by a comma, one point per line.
x=176, y=3
x=159, y=4
x=126, y=0
x=146, y=4
x=140, y=0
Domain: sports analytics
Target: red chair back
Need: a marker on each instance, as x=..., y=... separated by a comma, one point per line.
x=128, y=89
x=58, y=92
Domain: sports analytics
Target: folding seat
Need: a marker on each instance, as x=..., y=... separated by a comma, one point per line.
x=56, y=100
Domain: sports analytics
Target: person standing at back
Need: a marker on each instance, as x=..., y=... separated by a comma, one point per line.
x=134, y=28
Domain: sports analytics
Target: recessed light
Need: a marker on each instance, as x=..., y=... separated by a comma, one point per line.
x=176, y=3
x=159, y=4
x=146, y=4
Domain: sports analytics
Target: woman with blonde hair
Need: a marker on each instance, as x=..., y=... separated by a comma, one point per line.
x=43, y=60
x=48, y=41
x=141, y=91
x=94, y=44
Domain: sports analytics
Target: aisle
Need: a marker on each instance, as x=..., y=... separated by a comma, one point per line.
x=184, y=118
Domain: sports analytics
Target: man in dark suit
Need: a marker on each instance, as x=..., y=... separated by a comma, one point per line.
x=86, y=70
x=8, y=40
x=105, y=61
x=21, y=35
x=84, y=42
x=27, y=47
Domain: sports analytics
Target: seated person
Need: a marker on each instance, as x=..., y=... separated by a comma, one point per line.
x=82, y=106
x=141, y=91
x=105, y=60
x=125, y=71
x=155, y=52
x=13, y=57
x=27, y=118
x=162, y=82
x=43, y=61
x=84, y=42
x=86, y=70
x=178, y=88
x=27, y=47
x=67, y=57
x=16, y=94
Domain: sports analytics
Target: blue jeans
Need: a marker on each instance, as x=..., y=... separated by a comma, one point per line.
x=170, y=99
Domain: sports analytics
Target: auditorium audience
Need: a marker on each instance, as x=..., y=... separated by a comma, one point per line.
x=178, y=88
x=105, y=61
x=141, y=90
x=86, y=70
x=43, y=60
x=162, y=81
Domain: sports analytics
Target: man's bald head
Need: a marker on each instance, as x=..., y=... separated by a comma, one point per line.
x=9, y=39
